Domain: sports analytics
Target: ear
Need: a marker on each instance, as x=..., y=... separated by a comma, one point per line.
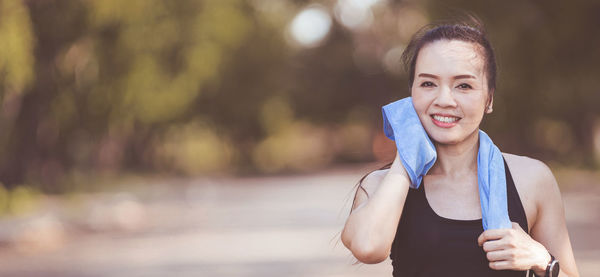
x=490, y=104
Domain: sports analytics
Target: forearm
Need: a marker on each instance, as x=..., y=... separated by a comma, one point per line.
x=370, y=229
x=563, y=274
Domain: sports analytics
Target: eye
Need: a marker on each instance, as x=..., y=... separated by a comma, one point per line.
x=464, y=86
x=427, y=84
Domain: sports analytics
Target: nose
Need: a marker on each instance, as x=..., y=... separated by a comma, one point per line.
x=445, y=99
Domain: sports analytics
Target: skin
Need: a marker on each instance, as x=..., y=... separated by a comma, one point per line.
x=450, y=81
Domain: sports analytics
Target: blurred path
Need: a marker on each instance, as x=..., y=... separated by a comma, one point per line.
x=264, y=226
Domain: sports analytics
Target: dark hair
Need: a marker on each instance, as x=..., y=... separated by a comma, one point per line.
x=470, y=30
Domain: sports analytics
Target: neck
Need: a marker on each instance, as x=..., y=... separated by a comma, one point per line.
x=457, y=159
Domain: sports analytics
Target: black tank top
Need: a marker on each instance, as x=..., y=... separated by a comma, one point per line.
x=429, y=245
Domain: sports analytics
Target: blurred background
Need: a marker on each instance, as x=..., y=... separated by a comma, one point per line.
x=225, y=137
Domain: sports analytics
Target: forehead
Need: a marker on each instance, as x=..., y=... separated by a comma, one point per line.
x=450, y=57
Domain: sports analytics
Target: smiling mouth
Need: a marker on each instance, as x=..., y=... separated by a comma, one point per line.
x=445, y=119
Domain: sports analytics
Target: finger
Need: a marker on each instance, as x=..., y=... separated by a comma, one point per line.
x=501, y=265
x=500, y=255
x=492, y=245
x=490, y=235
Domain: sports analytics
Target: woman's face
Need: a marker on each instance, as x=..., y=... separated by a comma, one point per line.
x=450, y=90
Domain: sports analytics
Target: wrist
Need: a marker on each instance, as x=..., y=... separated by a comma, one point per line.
x=398, y=168
x=539, y=268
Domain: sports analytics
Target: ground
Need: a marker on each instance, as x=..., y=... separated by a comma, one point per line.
x=252, y=226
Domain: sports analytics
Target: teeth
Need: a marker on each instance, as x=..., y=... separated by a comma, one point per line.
x=445, y=119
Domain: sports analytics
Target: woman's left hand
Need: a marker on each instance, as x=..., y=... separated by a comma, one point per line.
x=514, y=249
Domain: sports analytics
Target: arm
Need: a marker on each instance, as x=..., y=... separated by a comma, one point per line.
x=550, y=228
x=515, y=249
x=371, y=227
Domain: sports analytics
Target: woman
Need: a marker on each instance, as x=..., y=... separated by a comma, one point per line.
x=436, y=230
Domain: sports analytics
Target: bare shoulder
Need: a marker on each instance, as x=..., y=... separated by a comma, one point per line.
x=373, y=180
x=534, y=182
x=529, y=171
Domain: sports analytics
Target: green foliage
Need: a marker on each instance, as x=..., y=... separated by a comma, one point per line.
x=19, y=200
x=16, y=46
x=198, y=87
x=167, y=51
x=193, y=149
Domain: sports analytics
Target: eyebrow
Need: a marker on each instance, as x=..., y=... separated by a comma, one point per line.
x=464, y=76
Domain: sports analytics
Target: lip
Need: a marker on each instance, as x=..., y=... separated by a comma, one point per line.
x=445, y=114
x=444, y=124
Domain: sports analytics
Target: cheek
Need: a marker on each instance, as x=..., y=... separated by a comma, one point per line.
x=420, y=99
x=420, y=103
x=473, y=108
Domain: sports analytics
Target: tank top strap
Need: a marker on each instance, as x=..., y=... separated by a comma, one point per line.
x=516, y=210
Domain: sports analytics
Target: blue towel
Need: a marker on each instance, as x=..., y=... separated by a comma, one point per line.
x=417, y=153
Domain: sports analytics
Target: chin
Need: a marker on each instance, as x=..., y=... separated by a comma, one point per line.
x=445, y=140
x=447, y=137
